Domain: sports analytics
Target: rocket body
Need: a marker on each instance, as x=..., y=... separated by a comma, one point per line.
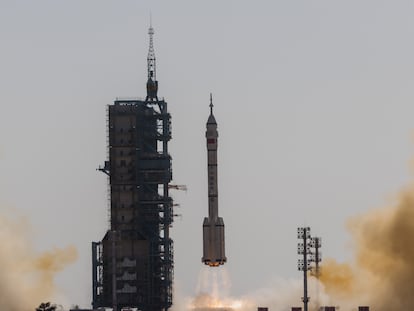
x=213, y=226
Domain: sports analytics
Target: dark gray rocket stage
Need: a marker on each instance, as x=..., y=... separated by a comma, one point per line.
x=213, y=226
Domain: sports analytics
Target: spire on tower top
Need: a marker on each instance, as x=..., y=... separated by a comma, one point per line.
x=152, y=83
x=151, y=54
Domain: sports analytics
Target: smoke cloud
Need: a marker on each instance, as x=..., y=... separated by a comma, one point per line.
x=382, y=274
x=27, y=278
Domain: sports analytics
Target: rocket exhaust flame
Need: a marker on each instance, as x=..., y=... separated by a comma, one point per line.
x=214, y=287
x=213, y=292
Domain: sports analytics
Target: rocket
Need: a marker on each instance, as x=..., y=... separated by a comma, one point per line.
x=213, y=225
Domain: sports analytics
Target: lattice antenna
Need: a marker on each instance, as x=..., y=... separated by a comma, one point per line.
x=151, y=54
x=152, y=84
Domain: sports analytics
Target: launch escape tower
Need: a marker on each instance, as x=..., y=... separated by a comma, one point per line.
x=133, y=264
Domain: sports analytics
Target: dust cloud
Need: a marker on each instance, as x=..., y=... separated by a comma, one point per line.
x=382, y=273
x=27, y=278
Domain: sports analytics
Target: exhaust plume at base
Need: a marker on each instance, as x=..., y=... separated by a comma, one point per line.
x=212, y=292
x=27, y=278
x=214, y=287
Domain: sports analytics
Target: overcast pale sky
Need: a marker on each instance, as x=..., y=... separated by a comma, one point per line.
x=313, y=99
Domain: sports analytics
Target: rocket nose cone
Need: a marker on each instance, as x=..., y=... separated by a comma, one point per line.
x=211, y=119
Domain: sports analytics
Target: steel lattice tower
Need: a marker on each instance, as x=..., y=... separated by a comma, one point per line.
x=133, y=264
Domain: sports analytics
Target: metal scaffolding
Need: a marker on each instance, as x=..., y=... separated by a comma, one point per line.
x=133, y=265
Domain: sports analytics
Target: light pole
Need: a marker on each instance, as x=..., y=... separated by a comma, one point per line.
x=309, y=249
x=304, y=249
x=316, y=257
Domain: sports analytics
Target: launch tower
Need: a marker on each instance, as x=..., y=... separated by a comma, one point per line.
x=133, y=264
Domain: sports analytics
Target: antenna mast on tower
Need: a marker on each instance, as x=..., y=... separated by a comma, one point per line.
x=152, y=83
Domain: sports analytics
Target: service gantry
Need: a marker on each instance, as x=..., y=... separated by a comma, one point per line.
x=133, y=264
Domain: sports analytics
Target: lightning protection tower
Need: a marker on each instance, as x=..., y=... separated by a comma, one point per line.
x=316, y=257
x=133, y=264
x=308, y=249
x=304, y=249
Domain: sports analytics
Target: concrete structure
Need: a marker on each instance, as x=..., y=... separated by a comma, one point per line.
x=213, y=226
x=133, y=264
